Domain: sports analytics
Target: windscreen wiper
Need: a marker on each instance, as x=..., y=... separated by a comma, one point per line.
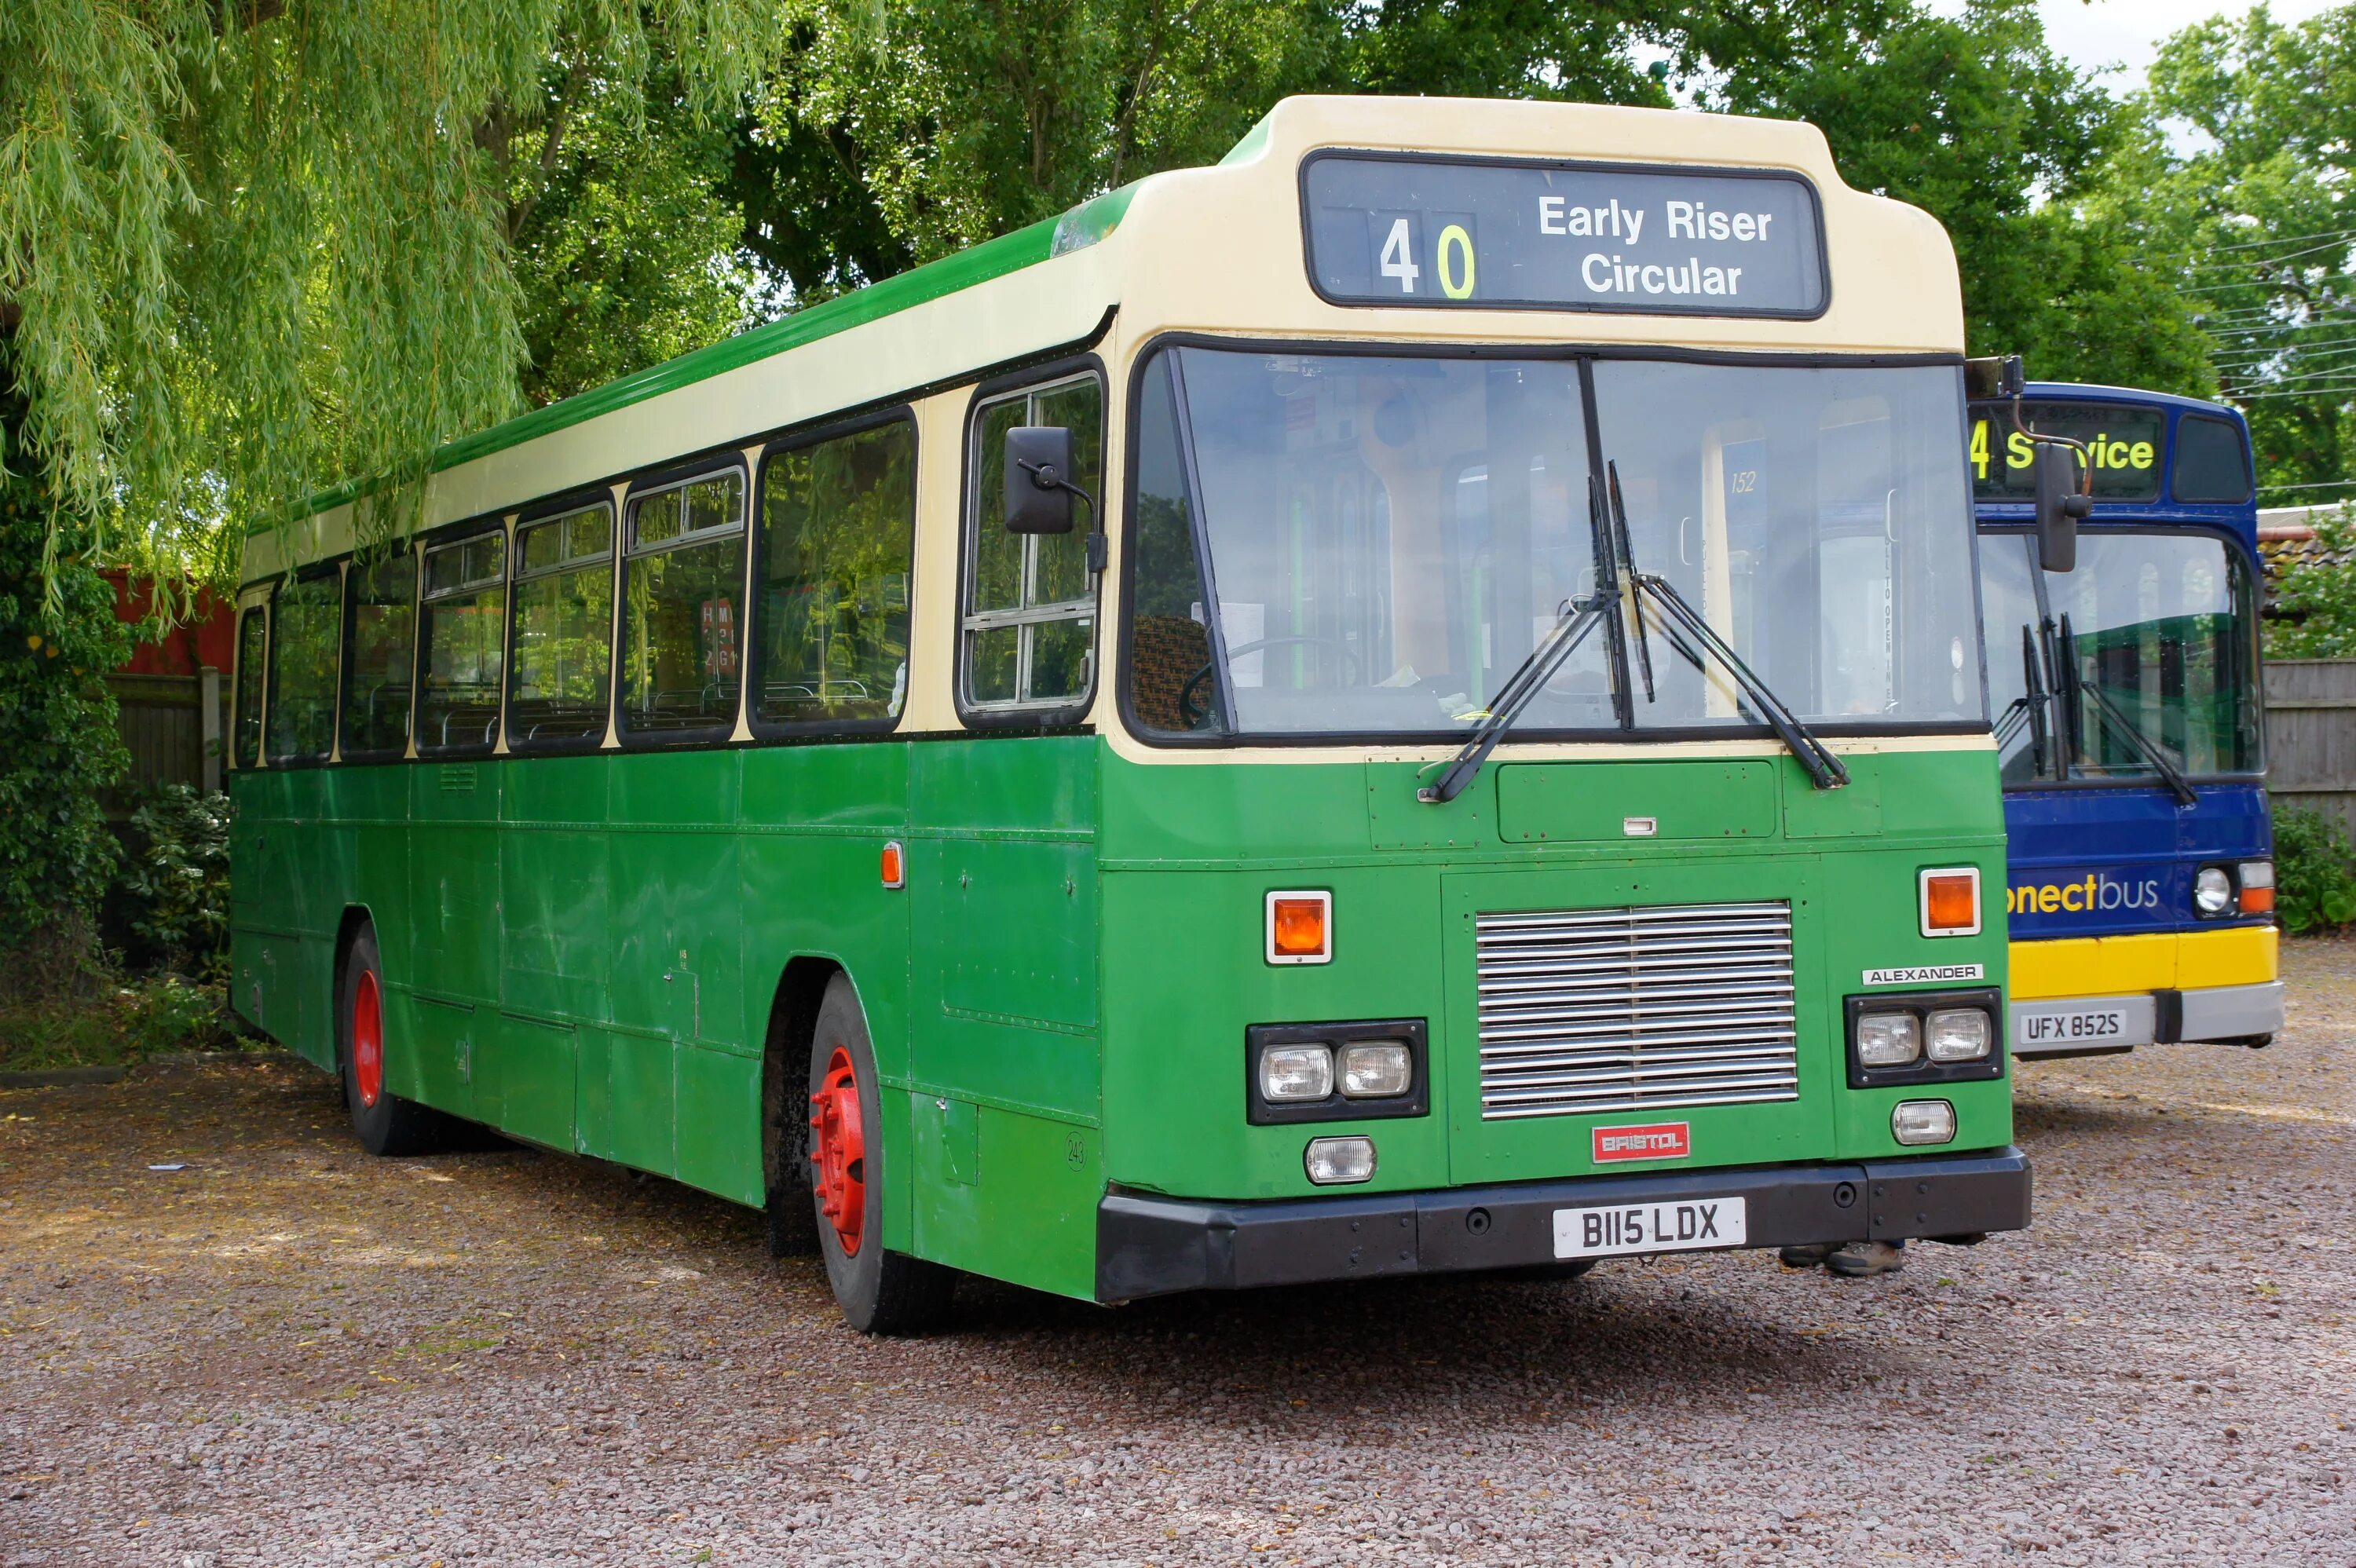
x=1823, y=767
x=2177, y=784
x=2031, y=709
x=1573, y=621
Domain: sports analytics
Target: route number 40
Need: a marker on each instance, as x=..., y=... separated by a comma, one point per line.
x=1455, y=260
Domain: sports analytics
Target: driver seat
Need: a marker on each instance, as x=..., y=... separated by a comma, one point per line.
x=1165, y=652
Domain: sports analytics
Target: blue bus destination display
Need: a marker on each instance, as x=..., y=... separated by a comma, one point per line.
x=1560, y=236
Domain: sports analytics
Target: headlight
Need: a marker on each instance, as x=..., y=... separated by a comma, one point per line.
x=1377, y=1069
x=2212, y=890
x=1289, y=1074
x=1887, y=1040
x=1338, y=1162
x=1923, y=1122
x=1958, y=1034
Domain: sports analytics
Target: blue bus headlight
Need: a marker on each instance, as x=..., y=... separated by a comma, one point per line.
x=1959, y=1034
x=2212, y=890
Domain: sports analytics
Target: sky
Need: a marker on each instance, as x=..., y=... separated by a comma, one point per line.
x=2097, y=34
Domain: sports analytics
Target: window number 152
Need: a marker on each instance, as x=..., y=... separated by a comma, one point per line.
x=1398, y=257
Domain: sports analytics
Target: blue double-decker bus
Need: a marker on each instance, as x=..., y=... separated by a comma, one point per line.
x=2141, y=897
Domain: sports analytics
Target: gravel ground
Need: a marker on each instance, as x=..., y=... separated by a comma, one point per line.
x=287, y=1353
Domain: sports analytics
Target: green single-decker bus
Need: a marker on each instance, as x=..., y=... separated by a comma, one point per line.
x=1409, y=702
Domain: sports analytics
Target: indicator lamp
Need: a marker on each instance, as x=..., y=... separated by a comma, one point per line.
x=1300, y=927
x=1950, y=897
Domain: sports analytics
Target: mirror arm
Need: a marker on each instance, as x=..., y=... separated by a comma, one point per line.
x=1044, y=476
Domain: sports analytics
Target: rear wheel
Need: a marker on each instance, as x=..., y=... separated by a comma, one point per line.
x=880, y=1292
x=387, y=1124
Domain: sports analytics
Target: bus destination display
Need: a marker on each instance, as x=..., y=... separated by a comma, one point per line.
x=2123, y=444
x=1431, y=231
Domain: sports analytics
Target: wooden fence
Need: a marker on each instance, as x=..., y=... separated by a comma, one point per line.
x=2311, y=735
x=172, y=726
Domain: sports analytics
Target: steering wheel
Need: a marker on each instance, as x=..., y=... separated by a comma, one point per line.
x=1193, y=715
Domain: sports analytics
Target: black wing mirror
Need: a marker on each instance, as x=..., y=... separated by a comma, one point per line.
x=2060, y=504
x=1039, y=487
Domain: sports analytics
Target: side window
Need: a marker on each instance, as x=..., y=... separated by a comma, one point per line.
x=1029, y=615
x=465, y=634
x=2212, y=463
x=837, y=529
x=252, y=634
x=308, y=615
x=380, y=655
x=563, y=627
x=680, y=612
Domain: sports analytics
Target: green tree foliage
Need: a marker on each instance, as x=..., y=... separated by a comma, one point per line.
x=58, y=745
x=901, y=131
x=251, y=249
x=2311, y=608
x=1971, y=116
x=177, y=877
x=2261, y=225
x=626, y=250
x=2316, y=869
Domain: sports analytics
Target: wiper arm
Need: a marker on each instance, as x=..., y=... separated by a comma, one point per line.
x=2040, y=701
x=1823, y=767
x=1572, y=622
x=2177, y=784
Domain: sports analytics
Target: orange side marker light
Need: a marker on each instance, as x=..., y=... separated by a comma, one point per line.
x=1299, y=927
x=1951, y=901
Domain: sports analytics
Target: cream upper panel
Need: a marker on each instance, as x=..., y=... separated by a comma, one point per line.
x=1220, y=249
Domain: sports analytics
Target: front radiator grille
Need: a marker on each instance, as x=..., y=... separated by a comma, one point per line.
x=1636, y=1009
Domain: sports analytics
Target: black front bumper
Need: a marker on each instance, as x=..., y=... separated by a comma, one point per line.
x=1152, y=1246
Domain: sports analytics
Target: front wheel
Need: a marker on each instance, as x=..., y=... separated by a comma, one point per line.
x=880, y=1292
x=387, y=1124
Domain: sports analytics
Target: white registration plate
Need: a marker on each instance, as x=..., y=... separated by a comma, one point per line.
x=2095, y=1022
x=1688, y=1225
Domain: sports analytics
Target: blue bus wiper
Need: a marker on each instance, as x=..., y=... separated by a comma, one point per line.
x=2177, y=784
x=2031, y=710
x=1573, y=619
x=1679, y=615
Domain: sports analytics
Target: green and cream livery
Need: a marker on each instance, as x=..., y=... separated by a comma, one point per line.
x=1411, y=701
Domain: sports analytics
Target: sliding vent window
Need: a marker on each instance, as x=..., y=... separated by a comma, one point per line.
x=465, y=634
x=563, y=628
x=381, y=655
x=252, y=634
x=680, y=666
x=302, y=669
x=1030, y=620
x=838, y=521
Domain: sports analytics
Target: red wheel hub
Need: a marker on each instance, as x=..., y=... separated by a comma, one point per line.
x=367, y=1038
x=839, y=1150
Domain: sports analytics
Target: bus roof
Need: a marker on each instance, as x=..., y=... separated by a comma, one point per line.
x=2095, y=392
x=1206, y=250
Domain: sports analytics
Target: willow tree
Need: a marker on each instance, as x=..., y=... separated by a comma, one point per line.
x=249, y=248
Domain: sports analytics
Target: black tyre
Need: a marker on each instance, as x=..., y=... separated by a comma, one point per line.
x=785, y=1134
x=880, y=1292
x=387, y=1124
